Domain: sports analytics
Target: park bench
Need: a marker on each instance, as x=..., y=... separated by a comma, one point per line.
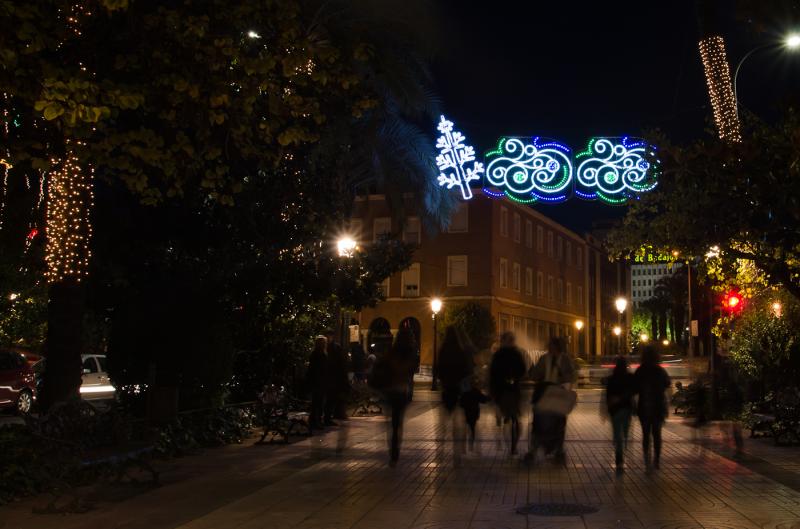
x=761, y=424
x=281, y=415
x=365, y=401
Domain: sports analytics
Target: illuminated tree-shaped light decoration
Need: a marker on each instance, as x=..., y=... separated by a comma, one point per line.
x=614, y=170
x=526, y=170
x=456, y=161
x=69, y=230
x=720, y=89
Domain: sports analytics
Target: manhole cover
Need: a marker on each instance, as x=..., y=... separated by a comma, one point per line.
x=557, y=509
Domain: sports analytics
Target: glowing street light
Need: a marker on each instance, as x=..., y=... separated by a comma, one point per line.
x=617, y=330
x=793, y=41
x=665, y=342
x=621, y=304
x=579, y=327
x=436, y=306
x=644, y=338
x=346, y=246
x=253, y=35
x=777, y=308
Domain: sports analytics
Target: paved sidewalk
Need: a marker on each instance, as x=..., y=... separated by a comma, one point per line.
x=308, y=485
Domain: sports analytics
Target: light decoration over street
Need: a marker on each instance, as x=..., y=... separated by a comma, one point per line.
x=526, y=171
x=456, y=160
x=69, y=230
x=614, y=170
x=720, y=89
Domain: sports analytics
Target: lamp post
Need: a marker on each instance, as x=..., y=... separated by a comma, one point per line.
x=791, y=42
x=436, y=306
x=346, y=246
x=579, y=327
x=621, y=304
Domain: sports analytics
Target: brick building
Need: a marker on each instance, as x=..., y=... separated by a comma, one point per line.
x=535, y=276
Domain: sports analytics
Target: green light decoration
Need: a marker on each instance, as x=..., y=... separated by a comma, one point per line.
x=615, y=170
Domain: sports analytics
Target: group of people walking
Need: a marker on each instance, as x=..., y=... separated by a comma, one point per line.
x=553, y=375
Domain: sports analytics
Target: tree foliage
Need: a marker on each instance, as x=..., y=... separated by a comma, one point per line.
x=741, y=198
x=475, y=320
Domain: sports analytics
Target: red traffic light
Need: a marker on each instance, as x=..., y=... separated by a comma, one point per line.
x=732, y=301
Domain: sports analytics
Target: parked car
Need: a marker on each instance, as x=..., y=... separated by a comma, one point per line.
x=17, y=382
x=95, y=383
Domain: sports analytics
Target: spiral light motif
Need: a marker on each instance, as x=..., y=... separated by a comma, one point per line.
x=529, y=171
x=614, y=170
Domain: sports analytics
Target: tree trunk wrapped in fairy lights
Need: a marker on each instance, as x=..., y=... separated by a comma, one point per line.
x=68, y=232
x=720, y=89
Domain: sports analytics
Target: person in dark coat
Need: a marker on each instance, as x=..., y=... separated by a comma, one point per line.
x=359, y=359
x=315, y=380
x=471, y=401
x=337, y=384
x=400, y=364
x=455, y=367
x=620, y=390
x=505, y=373
x=652, y=383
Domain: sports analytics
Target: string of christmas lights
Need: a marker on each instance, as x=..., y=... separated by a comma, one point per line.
x=70, y=199
x=720, y=89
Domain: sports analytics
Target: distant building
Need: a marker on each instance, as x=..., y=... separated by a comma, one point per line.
x=644, y=279
x=536, y=277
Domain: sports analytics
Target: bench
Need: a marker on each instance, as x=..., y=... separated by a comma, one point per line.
x=761, y=425
x=365, y=401
x=281, y=416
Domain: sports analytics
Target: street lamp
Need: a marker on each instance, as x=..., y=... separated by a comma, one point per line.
x=621, y=304
x=617, y=330
x=791, y=42
x=346, y=246
x=579, y=327
x=665, y=342
x=777, y=308
x=644, y=338
x=436, y=306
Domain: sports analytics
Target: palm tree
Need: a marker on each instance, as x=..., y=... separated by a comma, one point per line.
x=674, y=289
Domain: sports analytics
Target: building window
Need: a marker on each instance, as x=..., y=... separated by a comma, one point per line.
x=529, y=234
x=569, y=253
x=549, y=288
x=569, y=293
x=560, y=248
x=515, y=277
x=384, y=288
x=411, y=234
x=580, y=296
x=503, y=273
x=560, y=290
x=459, y=220
x=579, y=257
x=539, y=285
x=539, y=239
x=456, y=270
x=516, y=227
x=503, y=322
x=529, y=281
x=549, y=244
x=410, y=281
x=517, y=325
x=381, y=226
x=503, y=222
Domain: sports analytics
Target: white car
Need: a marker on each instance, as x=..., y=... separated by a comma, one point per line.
x=95, y=382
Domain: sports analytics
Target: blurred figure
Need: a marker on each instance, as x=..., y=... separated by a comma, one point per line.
x=652, y=383
x=337, y=384
x=620, y=390
x=454, y=369
x=359, y=359
x=553, y=399
x=471, y=401
x=400, y=363
x=315, y=380
x=505, y=372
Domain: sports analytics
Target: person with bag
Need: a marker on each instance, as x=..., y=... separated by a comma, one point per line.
x=553, y=399
x=505, y=373
x=652, y=383
x=620, y=390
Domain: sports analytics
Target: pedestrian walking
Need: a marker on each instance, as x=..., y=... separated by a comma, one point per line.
x=471, y=401
x=401, y=363
x=454, y=369
x=316, y=379
x=505, y=373
x=553, y=399
x=620, y=390
x=652, y=383
x=337, y=384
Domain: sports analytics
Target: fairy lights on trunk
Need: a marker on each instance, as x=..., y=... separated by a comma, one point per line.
x=70, y=199
x=720, y=89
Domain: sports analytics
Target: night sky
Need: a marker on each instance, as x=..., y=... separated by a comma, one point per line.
x=572, y=70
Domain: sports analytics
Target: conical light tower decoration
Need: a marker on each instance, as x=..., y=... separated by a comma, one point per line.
x=720, y=89
x=456, y=161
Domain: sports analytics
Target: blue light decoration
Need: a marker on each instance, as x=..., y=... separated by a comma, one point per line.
x=528, y=170
x=454, y=158
x=615, y=170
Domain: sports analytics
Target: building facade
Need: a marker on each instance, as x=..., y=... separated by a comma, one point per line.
x=536, y=277
x=644, y=279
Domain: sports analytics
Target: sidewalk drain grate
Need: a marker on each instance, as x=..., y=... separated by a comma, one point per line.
x=557, y=509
